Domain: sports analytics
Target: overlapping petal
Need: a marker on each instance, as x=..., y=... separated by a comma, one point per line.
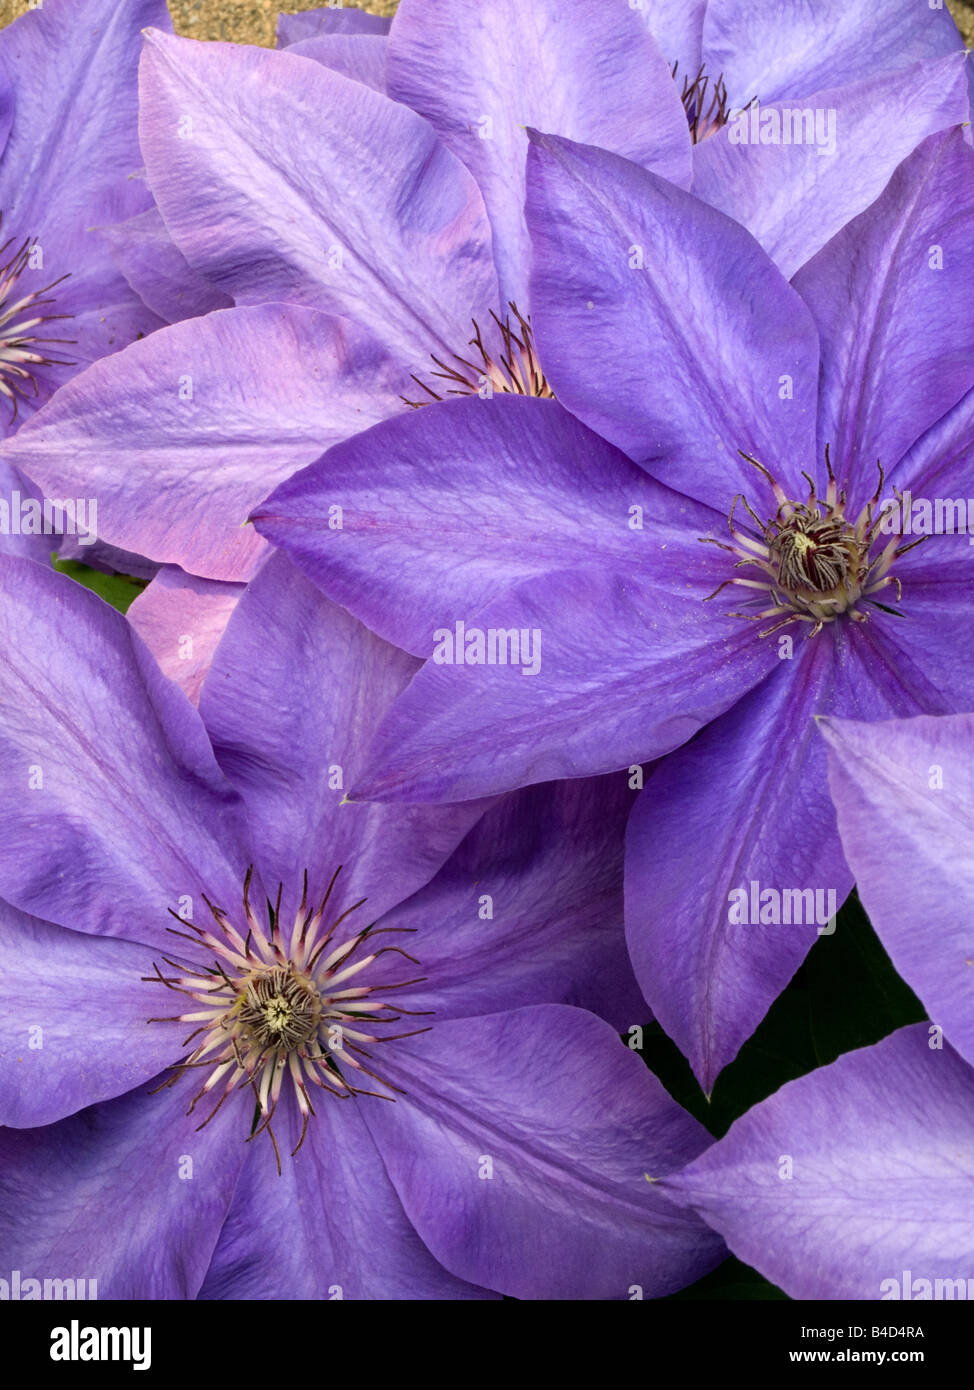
x=522, y=1151
x=443, y=508
x=176, y=472
x=853, y=1180
x=892, y=296
x=265, y=216
x=113, y=805
x=181, y=619
x=63, y=1187
x=795, y=49
x=665, y=327
x=294, y=692
x=73, y=1017
x=627, y=670
x=795, y=193
x=585, y=69
x=528, y=910
x=904, y=794
x=351, y=1238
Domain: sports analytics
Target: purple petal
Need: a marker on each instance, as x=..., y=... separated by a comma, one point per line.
x=294, y=694
x=671, y=333
x=529, y=909
x=16, y=491
x=880, y=391
x=904, y=794
x=73, y=1025
x=482, y=74
x=619, y=669
x=367, y=215
x=928, y=654
x=211, y=442
x=181, y=620
x=941, y=463
x=67, y=165
x=330, y=1227
x=855, y=1181
x=359, y=56
x=157, y=270
x=794, y=196
x=113, y=804
x=709, y=967
x=793, y=49
x=567, y=1123
x=677, y=27
x=329, y=19
x=412, y=553
x=64, y=1189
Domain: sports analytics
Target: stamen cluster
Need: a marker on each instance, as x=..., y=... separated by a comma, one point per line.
x=275, y=1005
x=514, y=370
x=19, y=318
x=816, y=564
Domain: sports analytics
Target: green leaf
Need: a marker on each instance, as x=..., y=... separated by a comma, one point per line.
x=120, y=590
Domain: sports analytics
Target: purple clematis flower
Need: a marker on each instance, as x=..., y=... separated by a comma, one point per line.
x=400, y=210
x=508, y=516
x=69, y=151
x=857, y=1181
x=390, y=1004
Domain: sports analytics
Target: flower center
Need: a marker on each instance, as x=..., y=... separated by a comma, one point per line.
x=19, y=320
x=815, y=564
x=510, y=365
x=704, y=101
x=273, y=1005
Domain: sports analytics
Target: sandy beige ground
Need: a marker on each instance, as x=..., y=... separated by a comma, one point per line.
x=237, y=21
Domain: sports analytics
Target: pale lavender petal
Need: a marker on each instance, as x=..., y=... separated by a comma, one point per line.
x=792, y=49
x=158, y=271
x=677, y=27
x=904, y=794
x=266, y=217
x=678, y=352
x=181, y=620
x=854, y=1182
x=585, y=69
x=794, y=196
x=360, y=56
x=521, y=1155
x=328, y=19
x=177, y=469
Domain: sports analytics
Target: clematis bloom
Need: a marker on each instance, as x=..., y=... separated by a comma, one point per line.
x=775, y=425
x=315, y=1050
